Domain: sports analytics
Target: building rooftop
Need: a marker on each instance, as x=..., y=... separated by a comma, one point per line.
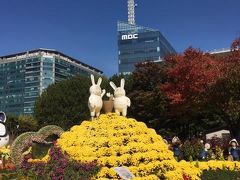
x=53, y=51
x=218, y=51
x=221, y=52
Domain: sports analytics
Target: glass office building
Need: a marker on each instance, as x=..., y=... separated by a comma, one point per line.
x=24, y=76
x=139, y=44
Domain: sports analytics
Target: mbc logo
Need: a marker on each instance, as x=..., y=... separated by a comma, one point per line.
x=129, y=36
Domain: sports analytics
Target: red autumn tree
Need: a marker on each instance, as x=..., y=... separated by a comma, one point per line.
x=224, y=96
x=190, y=76
x=236, y=44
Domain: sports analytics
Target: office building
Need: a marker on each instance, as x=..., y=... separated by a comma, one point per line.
x=24, y=76
x=139, y=44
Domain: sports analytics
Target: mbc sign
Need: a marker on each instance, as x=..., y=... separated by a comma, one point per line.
x=129, y=36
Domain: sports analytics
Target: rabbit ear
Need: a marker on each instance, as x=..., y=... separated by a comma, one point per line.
x=113, y=85
x=92, y=79
x=122, y=83
x=99, y=81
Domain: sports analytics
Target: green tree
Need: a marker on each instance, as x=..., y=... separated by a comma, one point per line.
x=148, y=101
x=117, y=79
x=12, y=125
x=27, y=123
x=17, y=125
x=64, y=104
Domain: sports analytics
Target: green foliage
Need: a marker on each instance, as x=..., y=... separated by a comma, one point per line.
x=220, y=175
x=148, y=101
x=27, y=123
x=18, y=125
x=224, y=96
x=9, y=174
x=219, y=153
x=12, y=125
x=191, y=150
x=128, y=82
x=64, y=104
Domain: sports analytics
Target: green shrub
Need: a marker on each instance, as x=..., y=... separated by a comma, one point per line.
x=191, y=150
x=17, y=125
x=220, y=175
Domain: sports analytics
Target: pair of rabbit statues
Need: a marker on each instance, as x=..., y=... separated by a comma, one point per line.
x=95, y=103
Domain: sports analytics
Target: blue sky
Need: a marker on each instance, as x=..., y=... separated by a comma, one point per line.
x=86, y=29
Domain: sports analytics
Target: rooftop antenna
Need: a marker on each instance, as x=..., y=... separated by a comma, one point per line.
x=131, y=12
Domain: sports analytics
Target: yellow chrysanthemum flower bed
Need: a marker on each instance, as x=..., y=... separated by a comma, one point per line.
x=215, y=165
x=113, y=141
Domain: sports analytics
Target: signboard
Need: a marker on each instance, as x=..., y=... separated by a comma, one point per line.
x=129, y=36
x=124, y=173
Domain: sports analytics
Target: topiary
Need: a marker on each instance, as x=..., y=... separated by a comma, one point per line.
x=50, y=130
x=21, y=144
x=113, y=141
x=25, y=140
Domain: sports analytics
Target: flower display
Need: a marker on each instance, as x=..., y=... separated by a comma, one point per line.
x=5, y=152
x=45, y=159
x=5, y=159
x=95, y=148
x=114, y=141
x=218, y=165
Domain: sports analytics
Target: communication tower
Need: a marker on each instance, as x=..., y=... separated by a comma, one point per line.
x=131, y=12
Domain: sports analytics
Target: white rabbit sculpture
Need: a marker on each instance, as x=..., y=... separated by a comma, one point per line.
x=121, y=102
x=4, y=137
x=95, y=102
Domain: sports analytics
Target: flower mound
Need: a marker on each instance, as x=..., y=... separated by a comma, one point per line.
x=114, y=141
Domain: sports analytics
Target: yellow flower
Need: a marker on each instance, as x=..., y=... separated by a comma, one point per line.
x=45, y=159
x=114, y=141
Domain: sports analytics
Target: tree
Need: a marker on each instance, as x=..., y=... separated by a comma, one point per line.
x=117, y=79
x=190, y=76
x=64, y=104
x=224, y=96
x=236, y=44
x=18, y=125
x=27, y=123
x=148, y=101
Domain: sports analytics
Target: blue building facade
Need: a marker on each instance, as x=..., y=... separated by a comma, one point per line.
x=24, y=76
x=140, y=44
